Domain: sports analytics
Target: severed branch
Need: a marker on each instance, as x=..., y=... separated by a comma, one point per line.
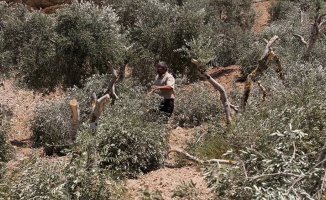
x=316, y=29
x=111, y=87
x=322, y=187
x=219, y=87
x=263, y=89
x=301, y=177
x=74, y=107
x=301, y=39
x=263, y=63
x=97, y=107
x=322, y=156
x=115, y=78
x=202, y=162
x=294, y=150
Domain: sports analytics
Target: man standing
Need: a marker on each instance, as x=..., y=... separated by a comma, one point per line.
x=164, y=84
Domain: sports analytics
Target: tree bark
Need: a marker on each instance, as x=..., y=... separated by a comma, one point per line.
x=202, y=162
x=263, y=63
x=220, y=88
x=315, y=32
x=74, y=107
x=97, y=107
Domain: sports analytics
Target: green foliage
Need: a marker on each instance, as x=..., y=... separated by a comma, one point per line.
x=88, y=37
x=289, y=146
x=12, y=34
x=196, y=103
x=65, y=48
x=5, y=148
x=186, y=191
x=128, y=143
x=55, y=179
x=279, y=10
x=38, y=55
x=125, y=141
x=161, y=29
x=50, y=126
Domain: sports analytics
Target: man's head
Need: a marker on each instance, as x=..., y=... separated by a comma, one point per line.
x=161, y=67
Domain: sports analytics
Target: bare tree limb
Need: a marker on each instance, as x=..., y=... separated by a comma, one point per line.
x=263, y=63
x=97, y=107
x=263, y=89
x=199, y=161
x=219, y=87
x=322, y=187
x=294, y=150
x=314, y=34
x=301, y=39
x=111, y=87
x=322, y=155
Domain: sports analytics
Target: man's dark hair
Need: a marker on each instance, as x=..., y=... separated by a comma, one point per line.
x=162, y=64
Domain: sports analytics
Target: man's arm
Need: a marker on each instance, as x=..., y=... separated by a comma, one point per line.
x=164, y=87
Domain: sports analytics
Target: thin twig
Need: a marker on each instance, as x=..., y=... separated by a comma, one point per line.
x=294, y=150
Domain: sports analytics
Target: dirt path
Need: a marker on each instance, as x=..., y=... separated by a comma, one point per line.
x=21, y=102
x=262, y=15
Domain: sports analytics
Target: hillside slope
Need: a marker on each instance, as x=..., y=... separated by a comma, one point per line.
x=164, y=180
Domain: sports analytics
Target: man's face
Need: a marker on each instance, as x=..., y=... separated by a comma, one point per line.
x=160, y=70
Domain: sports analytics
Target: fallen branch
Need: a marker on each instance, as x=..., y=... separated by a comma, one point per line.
x=219, y=87
x=322, y=187
x=301, y=177
x=202, y=162
x=301, y=39
x=294, y=150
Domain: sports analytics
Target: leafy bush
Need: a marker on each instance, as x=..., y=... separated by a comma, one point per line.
x=12, y=34
x=55, y=179
x=5, y=148
x=65, y=48
x=88, y=37
x=161, y=29
x=51, y=125
x=279, y=9
x=125, y=141
x=195, y=104
x=287, y=149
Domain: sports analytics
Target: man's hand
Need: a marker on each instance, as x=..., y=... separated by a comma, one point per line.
x=150, y=93
x=155, y=87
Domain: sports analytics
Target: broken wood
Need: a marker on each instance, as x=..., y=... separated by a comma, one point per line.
x=97, y=107
x=301, y=39
x=116, y=77
x=199, y=161
x=74, y=107
x=220, y=88
x=111, y=87
x=316, y=29
x=263, y=63
x=322, y=156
